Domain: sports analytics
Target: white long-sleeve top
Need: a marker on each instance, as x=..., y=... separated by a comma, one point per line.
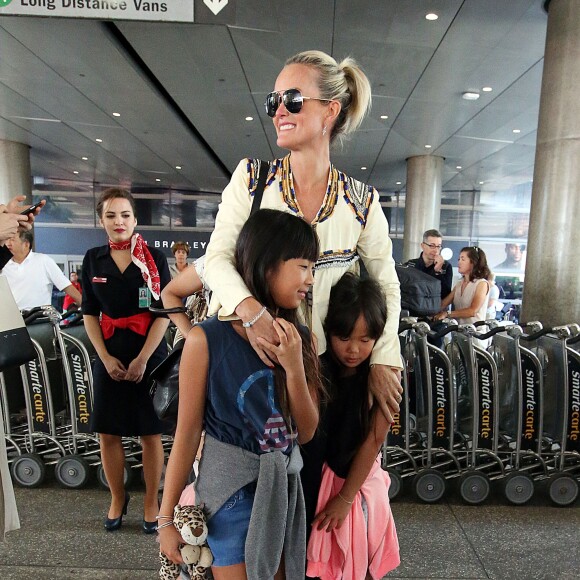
x=350, y=224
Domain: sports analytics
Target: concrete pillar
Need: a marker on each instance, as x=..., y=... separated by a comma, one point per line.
x=15, y=174
x=422, y=202
x=552, y=282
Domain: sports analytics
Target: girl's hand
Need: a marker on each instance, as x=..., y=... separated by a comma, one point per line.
x=169, y=541
x=333, y=514
x=289, y=351
x=115, y=368
x=136, y=370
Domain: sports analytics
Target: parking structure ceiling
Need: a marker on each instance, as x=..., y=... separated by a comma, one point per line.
x=183, y=92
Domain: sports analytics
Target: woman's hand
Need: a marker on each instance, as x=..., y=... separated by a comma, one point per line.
x=441, y=315
x=289, y=350
x=385, y=385
x=169, y=542
x=115, y=368
x=262, y=328
x=136, y=370
x=333, y=514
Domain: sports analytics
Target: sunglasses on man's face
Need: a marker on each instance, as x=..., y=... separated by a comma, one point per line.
x=293, y=100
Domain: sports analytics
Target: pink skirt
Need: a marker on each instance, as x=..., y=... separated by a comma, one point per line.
x=360, y=544
x=188, y=495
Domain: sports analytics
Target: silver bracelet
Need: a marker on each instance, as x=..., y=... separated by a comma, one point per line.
x=253, y=321
x=344, y=499
x=166, y=524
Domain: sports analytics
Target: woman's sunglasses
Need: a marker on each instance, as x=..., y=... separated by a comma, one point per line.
x=293, y=100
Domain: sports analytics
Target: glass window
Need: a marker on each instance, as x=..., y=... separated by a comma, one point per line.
x=66, y=202
x=194, y=210
x=457, y=198
x=492, y=224
x=456, y=223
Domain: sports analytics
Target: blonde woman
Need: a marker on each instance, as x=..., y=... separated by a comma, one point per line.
x=315, y=102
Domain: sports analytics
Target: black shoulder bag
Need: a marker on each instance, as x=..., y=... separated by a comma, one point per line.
x=16, y=348
x=165, y=376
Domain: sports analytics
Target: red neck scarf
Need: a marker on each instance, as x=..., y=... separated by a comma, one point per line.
x=142, y=258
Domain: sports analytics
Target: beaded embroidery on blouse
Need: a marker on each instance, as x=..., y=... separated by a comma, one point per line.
x=289, y=194
x=356, y=194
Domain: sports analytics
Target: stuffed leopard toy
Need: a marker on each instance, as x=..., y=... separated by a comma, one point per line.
x=190, y=523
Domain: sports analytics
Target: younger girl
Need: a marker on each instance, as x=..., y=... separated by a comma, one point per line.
x=353, y=534
x=253, y=415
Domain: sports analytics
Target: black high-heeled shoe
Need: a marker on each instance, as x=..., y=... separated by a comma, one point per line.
x=112, y=524
x=149, y=527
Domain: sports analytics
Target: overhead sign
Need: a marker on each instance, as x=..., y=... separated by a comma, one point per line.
x=158, y=11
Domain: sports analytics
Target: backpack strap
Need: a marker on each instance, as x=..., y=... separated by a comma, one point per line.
x=258, y=194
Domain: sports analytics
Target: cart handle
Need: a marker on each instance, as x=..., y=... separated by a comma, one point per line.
x=441, y=333
x=490, y=333
x=536, y=334
x=574, y=339
x=405, y=326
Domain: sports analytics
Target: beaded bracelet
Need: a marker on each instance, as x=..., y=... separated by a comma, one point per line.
x=253, y=321
x=344, y=499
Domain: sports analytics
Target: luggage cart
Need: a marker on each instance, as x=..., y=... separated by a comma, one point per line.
x=37, y=439
x=81, y=445
x=477, y=414
x=521, y=403
x=13, y=449
x=431, y=439
x=561, y=412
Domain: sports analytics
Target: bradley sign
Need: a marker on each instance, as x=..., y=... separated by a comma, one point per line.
x=161, y=10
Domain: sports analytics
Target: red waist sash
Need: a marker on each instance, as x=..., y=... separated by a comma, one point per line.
x=138, y=323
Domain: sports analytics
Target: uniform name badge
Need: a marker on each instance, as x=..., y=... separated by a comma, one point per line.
x=144, y=297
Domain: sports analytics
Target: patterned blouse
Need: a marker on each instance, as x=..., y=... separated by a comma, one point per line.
x=350, y=225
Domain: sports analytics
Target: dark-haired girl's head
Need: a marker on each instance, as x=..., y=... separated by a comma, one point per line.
x=268, y=239
x=356, y=318
x=472, y=263
x=275, y=248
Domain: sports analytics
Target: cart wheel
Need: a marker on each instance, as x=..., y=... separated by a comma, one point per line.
x=72, y=471
x=28, y=470
x=518, y=488
x=396, y=483
x=102, y=478
x=474, y=487
x=563, y=489
x=429, y=485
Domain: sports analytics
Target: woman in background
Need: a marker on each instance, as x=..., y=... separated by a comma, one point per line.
x=180, y=251
x=470, y=295
x=120, y=281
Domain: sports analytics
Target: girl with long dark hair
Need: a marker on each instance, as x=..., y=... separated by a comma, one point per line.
x=254, y=416
x=353, y=533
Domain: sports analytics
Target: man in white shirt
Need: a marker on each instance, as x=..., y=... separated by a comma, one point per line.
x=31, y=275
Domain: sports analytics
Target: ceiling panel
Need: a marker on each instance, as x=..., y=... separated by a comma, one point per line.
x=184, y=90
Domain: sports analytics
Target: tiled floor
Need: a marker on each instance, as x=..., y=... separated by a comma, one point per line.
x=62, y=538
